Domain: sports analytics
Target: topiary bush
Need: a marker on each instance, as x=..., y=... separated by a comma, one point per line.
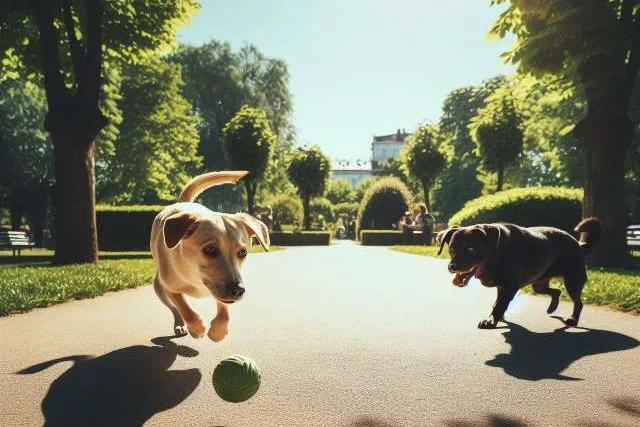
x=287, y=210
x=553, y=206
x=324, y=207
x=383, y=204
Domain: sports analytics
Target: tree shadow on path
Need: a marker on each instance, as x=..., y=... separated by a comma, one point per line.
x=537, y=356
x=123, y=388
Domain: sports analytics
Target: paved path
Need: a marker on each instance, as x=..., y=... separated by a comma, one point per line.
x=346, y=336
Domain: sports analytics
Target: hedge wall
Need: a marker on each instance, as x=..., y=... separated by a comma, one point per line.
x=303, y=238
x=553, y=206
x=387, y=238
x=125, y=228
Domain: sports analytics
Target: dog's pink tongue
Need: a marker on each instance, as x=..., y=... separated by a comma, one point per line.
x=458, y=280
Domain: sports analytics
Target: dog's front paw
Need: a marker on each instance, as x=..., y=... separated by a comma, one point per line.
x=196, y=328
x=219, y=329
x=180, y=331
x=489, y=323
x=571, y=322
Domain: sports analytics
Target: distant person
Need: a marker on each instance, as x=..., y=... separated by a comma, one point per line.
x=267, y=217
x=406, y=224
x=424, y=222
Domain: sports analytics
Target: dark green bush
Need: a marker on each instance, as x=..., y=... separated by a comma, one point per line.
x=125, y=228
x=383, y=204
x=304, y=238
x=553, y=206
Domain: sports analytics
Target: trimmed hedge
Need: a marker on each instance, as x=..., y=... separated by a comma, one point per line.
x=383, y=204
x=553, y=206
x=125, y=228
x=301, y=238
x=387, y=238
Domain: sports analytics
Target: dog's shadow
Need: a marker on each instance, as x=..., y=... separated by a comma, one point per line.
x=123, y=388
x=537, y=356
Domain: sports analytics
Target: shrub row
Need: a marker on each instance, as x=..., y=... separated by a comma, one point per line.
x=301, y=238
x=125, y=228
x=528, y=207
x=387, y=238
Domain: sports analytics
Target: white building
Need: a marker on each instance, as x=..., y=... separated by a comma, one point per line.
x=385, y=147
x=353, y=171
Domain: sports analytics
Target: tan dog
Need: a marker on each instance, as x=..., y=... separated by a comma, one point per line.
x=199, y=252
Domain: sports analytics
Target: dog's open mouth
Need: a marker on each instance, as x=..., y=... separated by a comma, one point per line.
x=462, y=279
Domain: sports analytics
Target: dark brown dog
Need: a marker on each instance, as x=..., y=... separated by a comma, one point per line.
x=509, y=257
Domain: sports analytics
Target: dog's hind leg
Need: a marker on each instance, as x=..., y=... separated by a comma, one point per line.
x=574, y=285
x=542, y=287
x=179, y=329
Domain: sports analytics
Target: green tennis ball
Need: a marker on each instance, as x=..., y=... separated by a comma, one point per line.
x=236, y=378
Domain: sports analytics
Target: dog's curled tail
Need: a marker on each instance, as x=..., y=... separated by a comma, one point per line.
x=590, y=230
x=200, y=183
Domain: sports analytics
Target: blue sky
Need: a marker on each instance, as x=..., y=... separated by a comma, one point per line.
x=361, y=67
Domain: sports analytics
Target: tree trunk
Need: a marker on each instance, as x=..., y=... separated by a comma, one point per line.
x=76, y=235
x=427, y=200
x=500, y=178
x=607, y=136
x=251, y=195
x=307, y=214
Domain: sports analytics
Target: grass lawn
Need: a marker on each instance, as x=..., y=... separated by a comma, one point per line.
x=30, y=281
x=619, y=289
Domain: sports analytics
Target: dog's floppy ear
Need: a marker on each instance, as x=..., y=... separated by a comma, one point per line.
x=177, y=227
x=494, y=234
x=256, y=228
x=445, y=237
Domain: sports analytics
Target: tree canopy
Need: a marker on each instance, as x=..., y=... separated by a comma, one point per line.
x=309, y=170
x=250, y=143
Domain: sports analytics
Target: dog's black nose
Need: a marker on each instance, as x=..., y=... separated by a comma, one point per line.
x=236, y=291
x=452, y=267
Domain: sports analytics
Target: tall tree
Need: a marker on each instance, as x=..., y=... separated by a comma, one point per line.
x=248, y=139
x=339, y=191
x=458, y=182
x=497, y=134
x=156, y=150
x=309, y=170
x=425, y=155
x=218, y=82
x=594, y=45
x=70, y=42
x=25, y=153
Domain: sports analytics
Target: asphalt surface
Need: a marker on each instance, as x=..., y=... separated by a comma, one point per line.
x=345, y=336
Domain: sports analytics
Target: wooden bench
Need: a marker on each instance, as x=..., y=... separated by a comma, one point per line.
x=633, y=236
x=15, y=240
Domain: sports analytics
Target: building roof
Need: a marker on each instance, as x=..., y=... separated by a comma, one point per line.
x=399, y=136
x=351, y=165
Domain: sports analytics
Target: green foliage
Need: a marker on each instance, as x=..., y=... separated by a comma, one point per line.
x=125, y=228
x=250, y=143
x=309, y=171
x=458, y=182
x=339, y=191
x=25, y=150
x=497, y=133
x=363, y=186
x=350, y=209
x=218, y=82
x=322, y=206
x=425, y=155
x=383, y=204
x=156, y=151
x=287, y=210
x=301, y=238
x=552, y=206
